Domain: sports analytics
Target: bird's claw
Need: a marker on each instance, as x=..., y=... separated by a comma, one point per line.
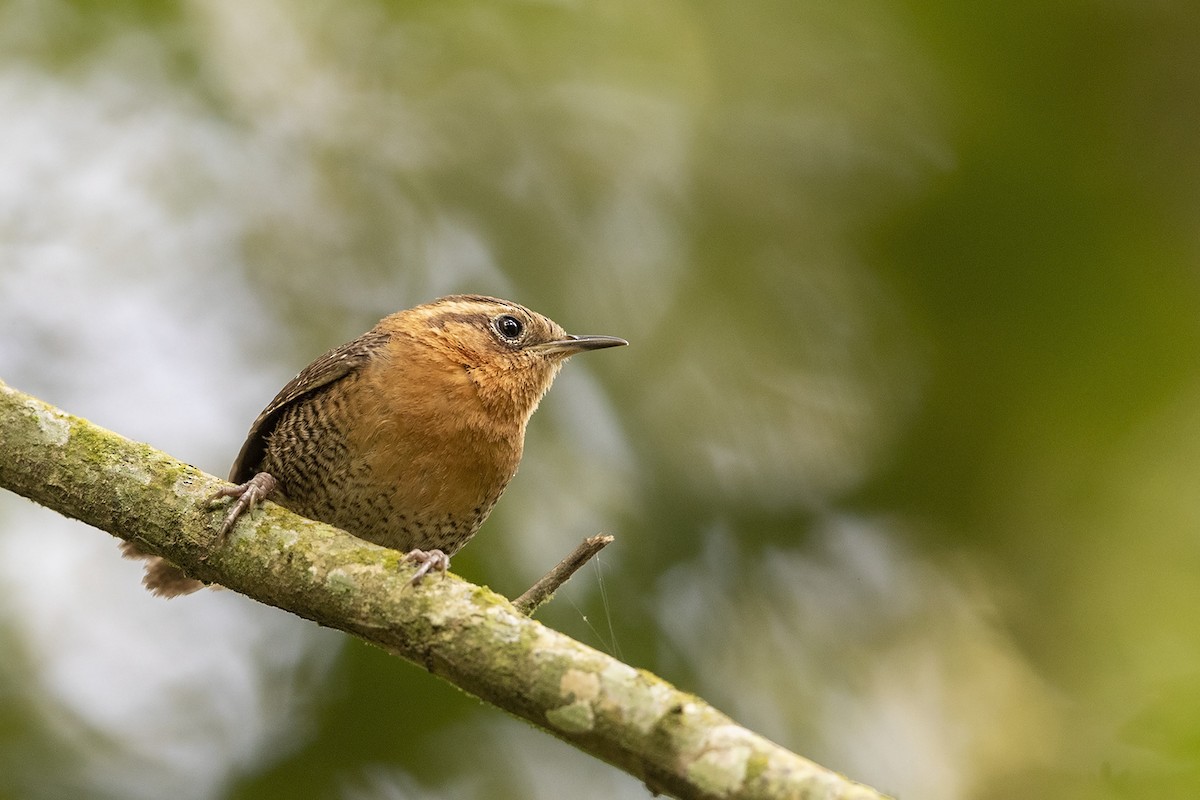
x=247, y=495
x=429, y=560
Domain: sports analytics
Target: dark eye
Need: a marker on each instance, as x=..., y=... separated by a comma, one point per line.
x=509, y=327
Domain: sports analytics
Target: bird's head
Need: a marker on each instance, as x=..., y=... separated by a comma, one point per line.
x=510, y=354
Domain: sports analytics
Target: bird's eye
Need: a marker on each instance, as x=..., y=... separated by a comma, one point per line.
x=509, y=327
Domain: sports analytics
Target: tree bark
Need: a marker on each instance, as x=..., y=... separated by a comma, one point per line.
x=466, y=634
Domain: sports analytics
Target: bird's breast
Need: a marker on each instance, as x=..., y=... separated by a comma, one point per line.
x=432, y=463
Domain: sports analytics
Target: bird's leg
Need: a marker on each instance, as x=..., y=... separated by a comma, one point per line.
x=429, y=560
x=247, y=495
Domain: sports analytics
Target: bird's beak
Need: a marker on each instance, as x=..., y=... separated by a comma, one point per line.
x=577, y=344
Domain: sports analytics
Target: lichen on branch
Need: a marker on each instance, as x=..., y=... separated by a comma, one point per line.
x=466, y=634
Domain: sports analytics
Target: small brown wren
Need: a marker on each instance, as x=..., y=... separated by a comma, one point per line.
x=405, y=436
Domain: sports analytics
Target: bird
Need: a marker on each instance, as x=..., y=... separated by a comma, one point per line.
x=405, y=436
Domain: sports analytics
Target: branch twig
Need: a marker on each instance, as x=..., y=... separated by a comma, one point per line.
x=673, y=741
x=541, y=592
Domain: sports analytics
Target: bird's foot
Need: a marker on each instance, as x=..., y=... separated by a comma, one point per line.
x=429, y=560
x=247, y=495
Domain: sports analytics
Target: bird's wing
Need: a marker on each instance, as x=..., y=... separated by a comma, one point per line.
x=329, y=368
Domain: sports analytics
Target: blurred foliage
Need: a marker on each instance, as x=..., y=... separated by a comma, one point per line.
x=899, y=461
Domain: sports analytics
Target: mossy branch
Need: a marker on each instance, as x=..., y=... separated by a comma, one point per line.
x=673, y=741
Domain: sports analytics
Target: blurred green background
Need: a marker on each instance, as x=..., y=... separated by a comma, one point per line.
x=900, y=460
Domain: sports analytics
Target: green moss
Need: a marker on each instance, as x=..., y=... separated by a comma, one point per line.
x=755, y=766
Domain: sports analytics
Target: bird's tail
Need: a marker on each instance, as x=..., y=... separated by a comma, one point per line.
x=162, y=577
